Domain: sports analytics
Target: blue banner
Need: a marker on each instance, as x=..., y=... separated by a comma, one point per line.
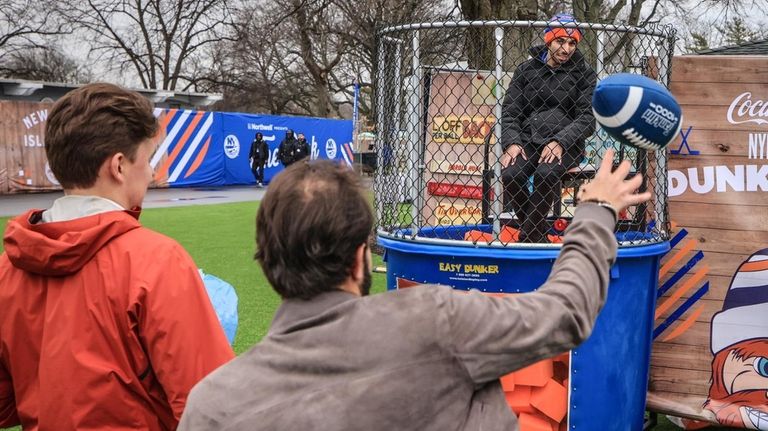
x=211, y=148
x=328, y=139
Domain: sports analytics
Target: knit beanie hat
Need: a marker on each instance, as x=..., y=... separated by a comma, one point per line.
x=551, y=33
x=745, y=308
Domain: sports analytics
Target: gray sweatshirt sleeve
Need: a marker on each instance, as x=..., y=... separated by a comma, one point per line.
x=493, y=336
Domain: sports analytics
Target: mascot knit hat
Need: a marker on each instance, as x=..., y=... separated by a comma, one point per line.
x=745, y=309
x=551, y=33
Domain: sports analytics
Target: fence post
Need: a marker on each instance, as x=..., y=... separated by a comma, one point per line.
x=497, y=185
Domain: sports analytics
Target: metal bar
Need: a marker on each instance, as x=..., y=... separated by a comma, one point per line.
x=416, y=152
x=651, y=30
x=498, y=34
x=378, y=177
x=600, y=54
x=396, y=132
x=409, y=237
x=661, y=190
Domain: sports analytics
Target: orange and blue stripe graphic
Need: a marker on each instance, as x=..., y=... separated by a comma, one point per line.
x=677, y=289
x=185, y=131
x=347, y=153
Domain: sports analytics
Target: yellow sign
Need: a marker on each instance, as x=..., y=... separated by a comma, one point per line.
x=468, y=268
x=465, y=129
x=448, y=214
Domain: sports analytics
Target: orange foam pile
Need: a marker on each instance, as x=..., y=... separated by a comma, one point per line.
x=507, y=235
x=538, y=394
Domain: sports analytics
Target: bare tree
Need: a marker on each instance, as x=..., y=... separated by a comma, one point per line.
x=480, y=45
x=157, y=40
x=260, y=71
x=363, y=18
x=712, y=23
x=44, y=64
x=320, y=45
x=24, y=25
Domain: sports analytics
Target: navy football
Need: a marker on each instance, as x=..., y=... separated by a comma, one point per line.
x=637, y=111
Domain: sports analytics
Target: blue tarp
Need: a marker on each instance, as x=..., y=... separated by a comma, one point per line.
x=224, y=300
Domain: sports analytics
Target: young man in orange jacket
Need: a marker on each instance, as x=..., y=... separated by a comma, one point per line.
x=105, y=324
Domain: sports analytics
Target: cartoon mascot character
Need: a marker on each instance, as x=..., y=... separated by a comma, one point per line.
x=739, y=393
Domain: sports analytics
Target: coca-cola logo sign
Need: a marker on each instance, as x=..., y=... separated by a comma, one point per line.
x=745, y=110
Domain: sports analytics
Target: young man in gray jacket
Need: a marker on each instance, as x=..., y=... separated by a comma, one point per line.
x=425, y=358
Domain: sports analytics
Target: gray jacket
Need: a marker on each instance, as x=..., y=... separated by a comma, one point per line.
x=425, y=358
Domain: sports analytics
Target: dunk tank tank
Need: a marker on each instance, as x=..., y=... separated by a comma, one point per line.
x=442, y=218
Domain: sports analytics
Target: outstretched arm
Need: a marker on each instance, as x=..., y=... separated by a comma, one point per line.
x=493, y=336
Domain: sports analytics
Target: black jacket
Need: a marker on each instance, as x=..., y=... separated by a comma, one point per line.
x=259, y=150
x=286, y=149
x=301, y=149
x=543, y=104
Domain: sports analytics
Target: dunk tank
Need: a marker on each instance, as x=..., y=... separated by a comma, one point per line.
x=442, y=215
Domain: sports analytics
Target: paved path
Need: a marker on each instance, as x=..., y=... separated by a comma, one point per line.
x=11, y=205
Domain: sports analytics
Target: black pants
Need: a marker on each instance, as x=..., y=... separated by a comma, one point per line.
x=532, y=209
x=258, y=170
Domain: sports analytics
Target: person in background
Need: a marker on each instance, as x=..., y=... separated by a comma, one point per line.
x=287, y=149
x=423, y=358
x=258, y=157
x=546, y=118
x=302, y=148
x=105, y=324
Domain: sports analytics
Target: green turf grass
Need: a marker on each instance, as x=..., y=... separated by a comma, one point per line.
x=221, y=240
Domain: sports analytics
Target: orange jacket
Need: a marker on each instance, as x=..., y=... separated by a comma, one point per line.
x=104, y=324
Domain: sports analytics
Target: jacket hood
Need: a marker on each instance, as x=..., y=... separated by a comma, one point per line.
x=62, y=248
x=538, y=51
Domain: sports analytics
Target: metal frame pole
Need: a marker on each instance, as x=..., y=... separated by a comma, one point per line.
x=415, y=138
x=497, y=186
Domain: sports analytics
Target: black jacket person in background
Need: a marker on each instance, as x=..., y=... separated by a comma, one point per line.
x=258, y=156
x=302, y=148
x=287, y=148
x=546, y=117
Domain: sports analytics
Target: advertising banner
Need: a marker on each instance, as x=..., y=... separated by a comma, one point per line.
x=23, y=165
x=327, y=139
x=197, y=148
x=710, y=354
x=188, y=154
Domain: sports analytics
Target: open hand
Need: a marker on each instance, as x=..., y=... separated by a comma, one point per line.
x=552, y=153
x=510, y=155
x=611, y=187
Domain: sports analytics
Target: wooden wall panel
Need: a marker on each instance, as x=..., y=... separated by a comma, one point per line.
x=718, y=69
x=23, y=125
x=728, y=226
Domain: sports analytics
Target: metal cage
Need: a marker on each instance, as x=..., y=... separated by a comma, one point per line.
x=440, y=94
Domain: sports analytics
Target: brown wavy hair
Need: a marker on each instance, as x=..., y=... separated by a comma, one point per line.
x=92, y=123
x=309, y=225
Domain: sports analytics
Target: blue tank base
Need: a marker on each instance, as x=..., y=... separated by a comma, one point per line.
x=609, y=372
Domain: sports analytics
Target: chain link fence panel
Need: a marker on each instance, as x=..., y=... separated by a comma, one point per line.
x=452, y=96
